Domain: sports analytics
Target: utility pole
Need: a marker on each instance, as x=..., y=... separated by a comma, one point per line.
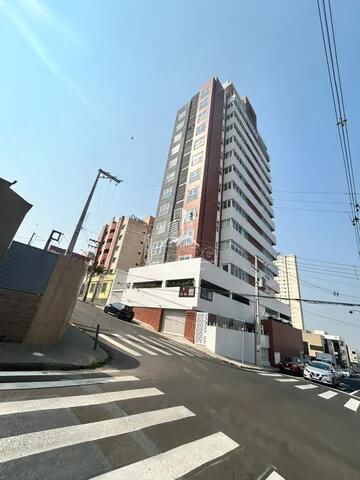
x=51, y=237
x=257, y=317
x=101, y=174
x=31, y=238
x=94, y=265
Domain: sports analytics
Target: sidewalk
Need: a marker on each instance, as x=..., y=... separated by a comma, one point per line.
x=75, y=351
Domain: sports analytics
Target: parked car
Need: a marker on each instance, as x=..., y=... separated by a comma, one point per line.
x=322, y=372
x=120, y=310
x=292, y=365
x=344, y=373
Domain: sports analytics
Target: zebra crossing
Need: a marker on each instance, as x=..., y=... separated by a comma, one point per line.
x=352, y=404
x=37, y=444
x=140, y=345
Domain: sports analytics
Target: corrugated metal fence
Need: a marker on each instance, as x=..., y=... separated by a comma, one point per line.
x=26, y=269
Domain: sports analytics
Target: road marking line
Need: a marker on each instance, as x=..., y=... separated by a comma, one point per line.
x=150, y=346
x=170, y=345
x=65, y=383
x=19, y=446
x=308, y=386
x=151, y=340
x=352, y=404
x=120, y=345
x=354, y=393
x=328, y=394
x=287, y=380
x=177, y=462
x=182, y=347
x=275, y=476
x=140, y=347
x=270, y=374
x=23, y=406
x=53, y=373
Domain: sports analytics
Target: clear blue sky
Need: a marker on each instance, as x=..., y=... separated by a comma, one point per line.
x=80, y=78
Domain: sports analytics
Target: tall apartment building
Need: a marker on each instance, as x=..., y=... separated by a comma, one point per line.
x=215, y=200
x=125, y=242
x=288, y=280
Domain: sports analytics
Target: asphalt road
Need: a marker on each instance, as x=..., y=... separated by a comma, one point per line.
x=208, y=420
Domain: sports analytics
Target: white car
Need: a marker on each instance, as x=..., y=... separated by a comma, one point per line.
x=344, y=373
x=322, y=372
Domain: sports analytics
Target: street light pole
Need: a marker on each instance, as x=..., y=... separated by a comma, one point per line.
x=93, y=267
x=257, y=318
x=101, y=174
x=352, y=311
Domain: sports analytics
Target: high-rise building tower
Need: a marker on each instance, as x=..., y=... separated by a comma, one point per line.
x=288, y=280
x=215, y=200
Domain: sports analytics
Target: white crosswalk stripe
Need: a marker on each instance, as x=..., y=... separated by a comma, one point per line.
x=53, y=373
x=287, y=380
x=65, y=383
x=274, y=476
x=270, y=374
x=177, y=462
x=308, y=386
x=181, y=348
x=168, y=344
x=156, y=342
x=20, y=446
x=148, y=345
x=120, y=345
x=328, y=394
x=352, y=404
x=140, y=347
x=23, y=406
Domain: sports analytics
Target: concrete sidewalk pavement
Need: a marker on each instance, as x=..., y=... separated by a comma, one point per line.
x=75, y=351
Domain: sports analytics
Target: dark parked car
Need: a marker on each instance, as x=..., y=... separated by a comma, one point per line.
x=120, y=310
x=292, y=365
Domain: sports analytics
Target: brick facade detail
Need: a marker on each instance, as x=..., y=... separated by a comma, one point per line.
x=151, y=316
x=190, y=322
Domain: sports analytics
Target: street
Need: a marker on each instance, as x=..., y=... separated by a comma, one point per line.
x=208, y=420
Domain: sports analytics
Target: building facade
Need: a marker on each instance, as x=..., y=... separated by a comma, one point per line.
x=124, y=243
x=289, y=285
x=216, y=200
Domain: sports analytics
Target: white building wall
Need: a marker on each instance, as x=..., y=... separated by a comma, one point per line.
x=235, y=344
x=197, y=268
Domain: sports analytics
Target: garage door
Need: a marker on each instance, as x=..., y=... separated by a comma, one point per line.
x=173, y=322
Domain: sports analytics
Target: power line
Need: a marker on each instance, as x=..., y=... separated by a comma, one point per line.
x=331, y=318
x=332, y=63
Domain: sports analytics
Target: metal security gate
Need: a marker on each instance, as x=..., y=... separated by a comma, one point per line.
x=173, y=322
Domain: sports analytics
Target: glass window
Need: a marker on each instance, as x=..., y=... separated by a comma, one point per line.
x=203, y=103
x=194, y=175
x=167, y=192
x=198, y=143
x=156, y=248
x=173, y=162
x=180, y=125
x=190, y=215
x=200, y=129
x=204, y=93
x=103, y=288
x=197, y=158
x=187, y=238
x=175, y=149
x=181, y=115
x=160, y=228
x=170, y=177
x=164, y=208
x=177, y=137
x=192, y=194
x=202, y=115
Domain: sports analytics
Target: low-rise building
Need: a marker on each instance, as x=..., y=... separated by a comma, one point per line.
x=313, y=343
x=353, y=355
